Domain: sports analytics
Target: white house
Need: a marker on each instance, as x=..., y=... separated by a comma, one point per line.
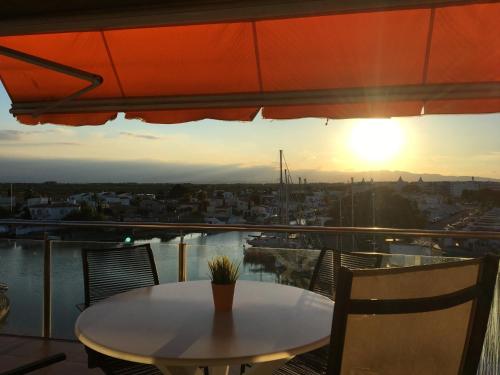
x=228, y=198
x=259, y=210
x=87, y=198
x=240, y=205
x=36, y=201
x=315, y=200
x=54, y=211
x=222, y=213
x=458, y=187
x=217, y=199
x=140, y=195
x=111, y=198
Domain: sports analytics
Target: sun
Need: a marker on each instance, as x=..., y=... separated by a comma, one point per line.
x=376, y=141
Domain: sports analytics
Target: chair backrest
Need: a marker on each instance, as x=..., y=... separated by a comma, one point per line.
x=325, y=275
x=107, y=272
x=412, y=320
x=4, y=306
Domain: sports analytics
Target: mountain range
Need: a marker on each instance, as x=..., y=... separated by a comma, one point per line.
x=86, y=171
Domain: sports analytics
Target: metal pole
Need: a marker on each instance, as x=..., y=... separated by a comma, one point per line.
x=11, y=198
x=94, y=79
x=47, y=289
x=93, y=16
x=340, y=221
x=281, y=187
x=202, y=227
x=182, y=259
x=373, y=219
x=352, y=209
x=261, y=99
x=287, y=220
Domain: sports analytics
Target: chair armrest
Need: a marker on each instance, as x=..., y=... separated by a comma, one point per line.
x=47, y=361
x=80, y=307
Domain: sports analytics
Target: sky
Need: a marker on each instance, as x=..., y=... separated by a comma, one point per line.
x=217, y=151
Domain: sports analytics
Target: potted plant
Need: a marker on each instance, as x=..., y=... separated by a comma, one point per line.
x=223, y=273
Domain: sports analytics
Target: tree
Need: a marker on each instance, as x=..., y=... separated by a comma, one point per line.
x=28, y=193
x=255, y=198
x=86, y=213
x=202, y=201
x=4, y=213
x=411, y=188
x=179, y=191
x=26, y=214
x=391, y=210
x=484, y=197
x=394, y=210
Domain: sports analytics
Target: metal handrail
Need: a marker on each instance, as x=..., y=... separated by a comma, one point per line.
x=188, y=227
x=194, y=227
x=182, y=228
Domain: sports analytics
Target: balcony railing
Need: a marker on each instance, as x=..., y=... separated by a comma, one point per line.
x=45, y=276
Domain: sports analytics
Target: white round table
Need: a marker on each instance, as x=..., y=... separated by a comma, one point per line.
x=174, y=326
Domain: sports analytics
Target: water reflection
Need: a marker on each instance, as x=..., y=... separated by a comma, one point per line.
x=21, y=268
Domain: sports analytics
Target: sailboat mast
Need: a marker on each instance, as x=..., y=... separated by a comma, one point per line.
x=11, y=198
x=352, y=211
x=281, y=188
x=287, y=175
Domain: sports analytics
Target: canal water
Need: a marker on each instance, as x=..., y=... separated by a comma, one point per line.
x=21, y=268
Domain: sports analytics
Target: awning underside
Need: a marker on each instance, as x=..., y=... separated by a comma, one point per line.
x=371, y=64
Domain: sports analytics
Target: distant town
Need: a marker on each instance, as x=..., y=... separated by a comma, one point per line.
x=465, y=205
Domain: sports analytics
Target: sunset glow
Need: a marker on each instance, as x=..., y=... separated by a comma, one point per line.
x=377, y=141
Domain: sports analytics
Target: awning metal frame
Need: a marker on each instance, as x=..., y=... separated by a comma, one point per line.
x=212, y=11
x=143, y=13
x=425, y=93
x=49, y=106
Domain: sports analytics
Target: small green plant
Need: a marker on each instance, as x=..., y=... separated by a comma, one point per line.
x=223, y=270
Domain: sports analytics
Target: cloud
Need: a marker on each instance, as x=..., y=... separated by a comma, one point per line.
x=11, y=135
x=138, y=135
x=37, y=144
x=489, y=156
x=19, y=135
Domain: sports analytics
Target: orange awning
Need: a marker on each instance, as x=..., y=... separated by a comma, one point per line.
x=340, y=64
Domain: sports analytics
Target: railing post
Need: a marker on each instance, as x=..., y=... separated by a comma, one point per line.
x=182, y=259
x=47, y=289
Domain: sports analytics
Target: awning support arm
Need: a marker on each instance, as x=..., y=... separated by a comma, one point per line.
x=486, y=90
x=94, y=79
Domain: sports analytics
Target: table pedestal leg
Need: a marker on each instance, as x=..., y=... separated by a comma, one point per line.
x=179, y=370
x=218, y=370
x=266, y=368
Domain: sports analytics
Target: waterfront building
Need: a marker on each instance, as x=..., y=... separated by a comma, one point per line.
x=53, y=211
x=7, y=202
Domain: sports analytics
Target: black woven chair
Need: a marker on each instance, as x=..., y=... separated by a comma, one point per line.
x=326, y=272
x=36, y=365
x=4, y=302
x=413, y=320
x=324, y=281
x=107, y=272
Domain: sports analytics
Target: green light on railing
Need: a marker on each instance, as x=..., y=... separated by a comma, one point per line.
x=128, y=240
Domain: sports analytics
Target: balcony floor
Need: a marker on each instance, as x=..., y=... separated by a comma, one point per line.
x=18, y=350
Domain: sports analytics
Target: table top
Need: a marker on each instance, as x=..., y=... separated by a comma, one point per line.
x=175, y=324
